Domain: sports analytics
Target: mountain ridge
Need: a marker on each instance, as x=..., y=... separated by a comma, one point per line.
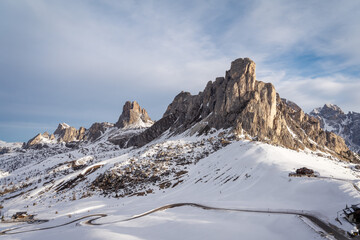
x=249, y=107
x=346, y=125
x=237, y=101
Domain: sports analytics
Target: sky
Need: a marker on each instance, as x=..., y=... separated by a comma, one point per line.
x=79, y=61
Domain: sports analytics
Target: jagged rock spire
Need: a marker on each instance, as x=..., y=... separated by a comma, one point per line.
x=133, y=116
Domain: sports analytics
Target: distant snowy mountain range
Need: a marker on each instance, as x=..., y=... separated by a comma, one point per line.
x=234, y=149
x=333, y=119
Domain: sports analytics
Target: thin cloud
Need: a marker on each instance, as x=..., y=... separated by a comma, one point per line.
x=314, y=92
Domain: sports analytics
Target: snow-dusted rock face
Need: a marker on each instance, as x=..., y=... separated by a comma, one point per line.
x=249, y=107
x=132, y=121
x=333, y=119
x=44, y=138
x=97, y=130
x=133, y=116
x=63, y=133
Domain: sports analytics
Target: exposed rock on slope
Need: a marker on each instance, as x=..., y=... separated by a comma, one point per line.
x=133, y=116
x=97, y=130
x=151, y=133
x=63, y=133
x=333, y=119
x=132, y=121
x=41, y=138
x=249, y=107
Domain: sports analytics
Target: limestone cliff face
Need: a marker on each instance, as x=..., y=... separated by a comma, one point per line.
x=249, y=107
x=237, y=100
x=40, y=139
x=133, y=116
x=35, y=140
x=65, y=133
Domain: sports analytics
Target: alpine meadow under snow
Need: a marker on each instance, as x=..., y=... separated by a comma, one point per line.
x=224, y=164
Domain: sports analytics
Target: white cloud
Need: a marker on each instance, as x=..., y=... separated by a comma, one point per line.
x=145, y=44
x=310, y=93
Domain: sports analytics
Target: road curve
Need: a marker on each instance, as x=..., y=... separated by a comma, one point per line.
x=353, y=182
x=326, y=227
x=10, y=231
x=323, y=225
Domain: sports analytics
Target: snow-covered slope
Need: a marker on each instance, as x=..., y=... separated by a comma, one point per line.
x=10, y=144
x=6, y=147
x=333, y=119
x=212, y=170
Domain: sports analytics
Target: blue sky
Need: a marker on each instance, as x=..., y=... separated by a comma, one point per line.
x=79, y=61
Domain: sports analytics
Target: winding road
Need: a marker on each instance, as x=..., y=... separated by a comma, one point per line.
x=326, y=227
x=352, y=182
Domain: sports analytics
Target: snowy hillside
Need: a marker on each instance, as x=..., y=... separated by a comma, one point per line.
x=242, y=175
x=10, y=145
x=6, y=147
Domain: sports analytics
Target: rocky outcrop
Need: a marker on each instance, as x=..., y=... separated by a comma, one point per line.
x=65, y=133
x=307, y=132
x=41, y=139
x=333, y=119
x=151, y=133
x=97, y=130
x=35, y=140
x=236, y=100
x=249, y=107
x=133, y=116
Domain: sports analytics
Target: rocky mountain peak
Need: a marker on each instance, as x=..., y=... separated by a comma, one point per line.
x=243, y=68
x=61, y=127
x=65, y=133
x=133, y=116
x=250, y=108
x=40, y=139
x=328, y=110
x=233, y=100
x=332, y=108
x=333, y=119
